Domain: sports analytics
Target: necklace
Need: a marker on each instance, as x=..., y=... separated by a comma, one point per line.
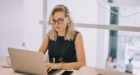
x=61, y=58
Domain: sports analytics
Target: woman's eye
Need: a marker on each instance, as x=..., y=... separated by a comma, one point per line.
x=53, y=21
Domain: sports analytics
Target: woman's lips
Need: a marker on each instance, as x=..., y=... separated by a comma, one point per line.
x=57, y=27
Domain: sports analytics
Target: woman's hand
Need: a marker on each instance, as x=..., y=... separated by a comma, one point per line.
x=50, y=66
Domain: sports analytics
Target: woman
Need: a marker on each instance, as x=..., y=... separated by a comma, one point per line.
x=64, y=44
x=110, y=63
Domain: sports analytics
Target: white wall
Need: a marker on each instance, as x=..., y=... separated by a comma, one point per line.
x=132, y=17
x=19, y=23
x=11, y=25
x=126, y=2
x=33, y=10
x=103, y=35
x=82, y=11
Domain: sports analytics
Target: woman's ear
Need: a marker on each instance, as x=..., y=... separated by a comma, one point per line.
x=68, y=19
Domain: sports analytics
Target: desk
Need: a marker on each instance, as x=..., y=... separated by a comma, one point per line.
x=10, y=71
x=83, y=71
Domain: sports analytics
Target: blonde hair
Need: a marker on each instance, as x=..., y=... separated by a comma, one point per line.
x=70, y=32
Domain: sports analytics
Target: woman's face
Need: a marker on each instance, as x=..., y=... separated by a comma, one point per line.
x=110, y=59
x=59, y=21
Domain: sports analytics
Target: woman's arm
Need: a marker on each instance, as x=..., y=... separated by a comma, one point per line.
x=44, y=45
x=80, y=55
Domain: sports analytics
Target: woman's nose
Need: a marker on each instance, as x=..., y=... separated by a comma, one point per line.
x=56, y=23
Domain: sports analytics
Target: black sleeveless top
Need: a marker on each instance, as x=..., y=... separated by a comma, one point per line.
x=62, y=48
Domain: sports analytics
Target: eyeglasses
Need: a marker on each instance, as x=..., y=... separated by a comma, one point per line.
x=59, y=21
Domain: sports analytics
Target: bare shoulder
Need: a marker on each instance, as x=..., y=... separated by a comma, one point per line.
x=79, y=36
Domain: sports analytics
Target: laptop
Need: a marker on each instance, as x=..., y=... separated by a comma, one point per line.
x=27, y=62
